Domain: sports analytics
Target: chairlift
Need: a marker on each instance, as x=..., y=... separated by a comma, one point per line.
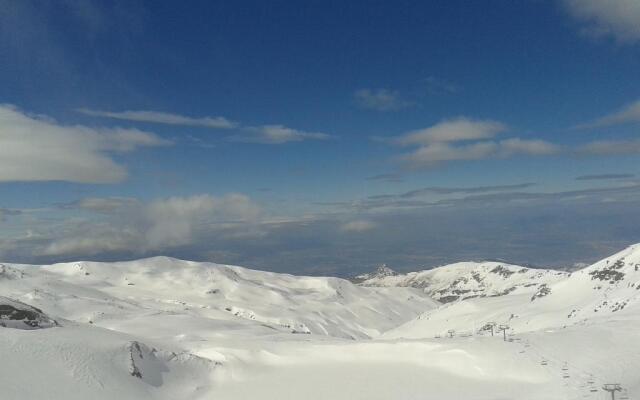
x=565, y=376
x=543, y=362
x=593, y=390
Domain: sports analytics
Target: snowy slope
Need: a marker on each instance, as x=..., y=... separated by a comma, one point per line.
x=165, y=329
x=466, y=280
x=607, y=289
x=84, y=362
x=163, y=288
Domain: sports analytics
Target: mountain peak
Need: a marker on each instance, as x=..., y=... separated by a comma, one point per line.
x=384, y=270
x=381, y=271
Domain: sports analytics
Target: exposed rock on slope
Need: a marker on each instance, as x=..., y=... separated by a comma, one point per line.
x=380, y=272
x=468, y=280
x=607, y=289
x=15, y=314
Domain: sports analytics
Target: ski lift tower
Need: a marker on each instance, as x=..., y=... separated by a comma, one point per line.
x=503, y=328
x=491, y=325
x=612, y=388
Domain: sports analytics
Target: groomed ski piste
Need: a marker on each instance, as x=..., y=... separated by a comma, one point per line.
x=162, y=328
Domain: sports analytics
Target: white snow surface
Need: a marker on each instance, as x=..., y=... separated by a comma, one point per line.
x=162, y=328
x=465, y=280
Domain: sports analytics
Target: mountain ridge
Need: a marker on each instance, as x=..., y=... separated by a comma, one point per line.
x=162, y=328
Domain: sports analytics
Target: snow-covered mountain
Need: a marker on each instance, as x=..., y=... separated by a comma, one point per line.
x=380, y=273
x=105, y=294
x=610, y=287
x=466, y=280
x=162, y=328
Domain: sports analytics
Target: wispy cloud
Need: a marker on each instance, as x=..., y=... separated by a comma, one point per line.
x=610, y=147
x=266, y=134
x=104, y=205
x=358, y=226
x=433, y=154
x=480, y=196
x=380, y=99
x=619, y=19
x=390, y=178
x=604, y=177
x=453, y=130
x=157, y=117
x=407, y=199
x=37, y=148
x=277, y=134
x=464, y=190
x=441, y=143
x=628, y=114
x=620, y=192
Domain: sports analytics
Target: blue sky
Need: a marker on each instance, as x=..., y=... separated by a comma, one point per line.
x=320, y=137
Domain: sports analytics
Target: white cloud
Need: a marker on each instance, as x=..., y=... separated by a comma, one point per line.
x=137, y=227
x=532, y=147
x=432, y=154
x=610, y=147
x=628, y=114
x=174, y=221
x=380, y=99
x=617, y=18
x=279, y=134
x=37, y=148
x=96, y=239
x=441, y=143
x=458, y=129
x=358, y=226
x=157, y=117
x=440, y=152
x=266, y=134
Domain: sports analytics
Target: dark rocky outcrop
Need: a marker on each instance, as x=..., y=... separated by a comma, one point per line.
x=18, y=315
